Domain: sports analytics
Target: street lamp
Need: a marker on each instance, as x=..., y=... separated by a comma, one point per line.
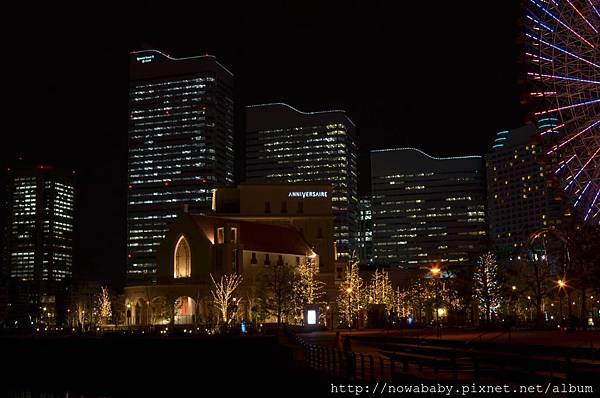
x=562, y=285
x=349, y=291
x=435, y=273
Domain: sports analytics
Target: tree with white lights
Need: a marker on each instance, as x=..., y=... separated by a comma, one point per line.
x=487, y=289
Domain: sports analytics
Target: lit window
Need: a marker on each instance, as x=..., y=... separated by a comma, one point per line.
x=182, y=259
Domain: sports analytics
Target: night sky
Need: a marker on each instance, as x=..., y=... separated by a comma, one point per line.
x=439, y=76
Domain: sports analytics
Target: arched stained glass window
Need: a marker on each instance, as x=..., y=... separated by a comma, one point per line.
x=182, y=259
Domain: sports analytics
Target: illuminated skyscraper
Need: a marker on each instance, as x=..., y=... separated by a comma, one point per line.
x=284, y=144
x=521, y=199
x=427, y=210
x=38, y=244
x=180, y=146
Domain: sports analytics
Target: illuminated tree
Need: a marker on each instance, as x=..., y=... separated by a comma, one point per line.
x=381, y=290
x=487, y=289
x=307, y=288
x=104, y=306
x=222, y=293
x=352, y=295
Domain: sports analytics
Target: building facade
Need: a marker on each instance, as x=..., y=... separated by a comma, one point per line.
x=284, y=144
x=364, y=239
x=521, y=197
x=427, y=210
x=197, y=249
x=304, y=206
x=180, y=146
x=38, y=244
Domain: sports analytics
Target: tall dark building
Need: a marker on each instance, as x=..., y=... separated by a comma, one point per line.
x=180, y=146
x=284, y=144
x=521, y=197
x=427, y=210
x=38, y=236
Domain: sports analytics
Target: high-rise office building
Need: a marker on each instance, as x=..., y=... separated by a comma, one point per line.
x=38, y=235
x=180, y=146
x=427, y=210
x=364, y=237
x=284, y=144
x=521, y=197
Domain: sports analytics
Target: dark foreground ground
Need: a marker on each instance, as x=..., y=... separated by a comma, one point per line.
x=136, y=366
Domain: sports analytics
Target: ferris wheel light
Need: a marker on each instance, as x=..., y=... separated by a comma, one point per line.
x=563, y=52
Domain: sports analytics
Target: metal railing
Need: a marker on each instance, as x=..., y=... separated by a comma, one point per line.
x=450, y=366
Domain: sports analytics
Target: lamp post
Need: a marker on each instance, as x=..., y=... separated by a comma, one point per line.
x=435, y=273
x=511, y=306
x=561, y=286
x=349, y=291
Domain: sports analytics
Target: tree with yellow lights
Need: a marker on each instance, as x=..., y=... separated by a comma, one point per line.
x=104, y=306
x=222, y=293
x=381, y=290
x=307, y=288
x=352, y=295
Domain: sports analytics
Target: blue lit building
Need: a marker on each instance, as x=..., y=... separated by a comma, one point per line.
x=427, y=210
x=180, y=146
x=284, y=144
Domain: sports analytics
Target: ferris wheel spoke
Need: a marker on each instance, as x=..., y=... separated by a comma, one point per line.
x=568, y=78
x=564, y=163
x=582, y=193
x=594, y=8
x=581, y=15
x=561, y=50
x=558, y=146
x=582, y=169
x=567, y=107
x=554, y=17
x=591, y=206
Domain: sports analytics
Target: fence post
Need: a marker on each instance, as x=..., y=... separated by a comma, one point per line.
x=476, y=369
x=392, y=370
x=335, y=371
x=362, y=367
x=381, y=372
x=454, y=369
x=372, y=368
x=568, y=367
x=318, y=349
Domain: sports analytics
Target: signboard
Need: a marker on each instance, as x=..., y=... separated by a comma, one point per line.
x=311, y=317
x=145, y=58
x=307, y=194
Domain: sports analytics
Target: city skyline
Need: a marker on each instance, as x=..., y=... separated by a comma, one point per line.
x=341, y=197
x=387, y=87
